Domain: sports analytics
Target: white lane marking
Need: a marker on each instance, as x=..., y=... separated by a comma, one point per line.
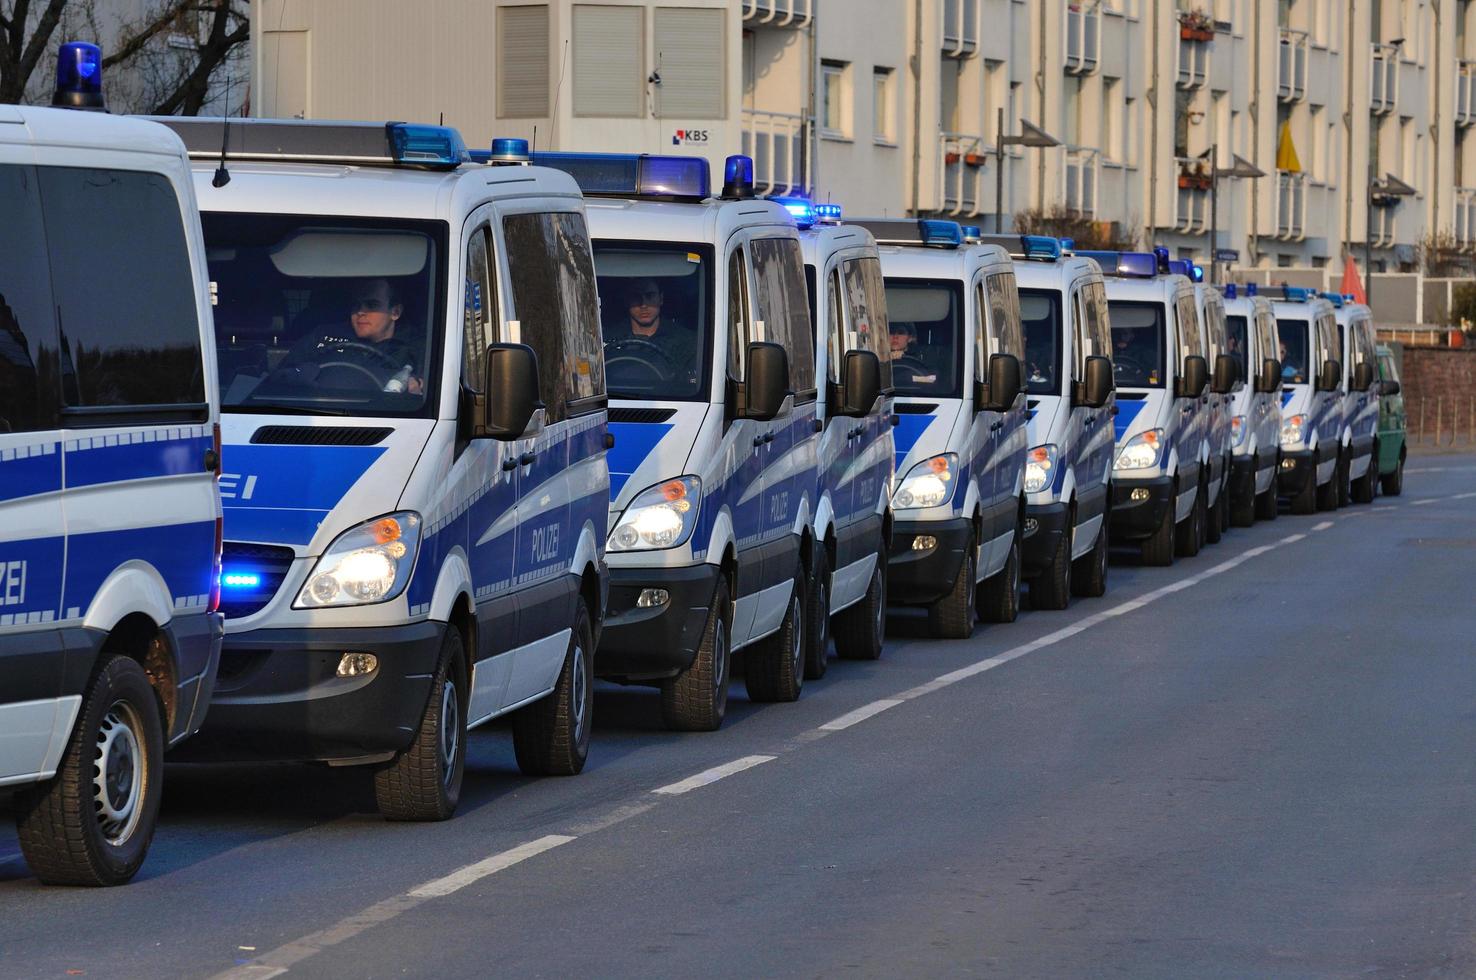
x=1440, y=469
x=1421, y=503
x=1322, y=526
x=1463, y=496
x=709, y=776
x=457, y=880
x=860, y=714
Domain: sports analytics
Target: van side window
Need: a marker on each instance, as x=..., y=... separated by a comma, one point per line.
x=738, y=330
x=479, y=310
x=835, y=340
x=129, y=324
x=28, y=344
x=1079, y=336
x=780, y=301
x=1098, y=321
x=1004, y=315
x=876, y=334
x=1191, y=340
x=982, y=332
x=552, y=276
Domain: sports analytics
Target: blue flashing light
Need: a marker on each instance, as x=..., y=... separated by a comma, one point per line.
x=426, y=146
x=1068, y=244
x=1197, y=272
x=1230, y=291
x=1336, y=299
x=828, y=213
x=1161, y=257
x=633, y=174
x=1297, y=294
x=800, y=209
x=1041, y=247
x=937, y=232
x=1251, y=289
x=240, y=580
x=1138, y=265
x=738, y=177
x=506, y=150
x=972, y=233
x=78, y=76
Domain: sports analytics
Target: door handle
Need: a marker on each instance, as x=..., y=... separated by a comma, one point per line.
x=758, y=441
x=509, y=464
x=768, y=437
x=527, y=459
x=997, y=426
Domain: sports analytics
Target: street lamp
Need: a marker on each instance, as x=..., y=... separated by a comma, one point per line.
x=1241, y=168
x=1030, y=135
x=1386, y=192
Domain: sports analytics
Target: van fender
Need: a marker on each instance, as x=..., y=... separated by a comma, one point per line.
x=1068, y=486
x=802, y=516
x=971, y=505
x=586, y=551
x=1172, y=465
x=719, y=539
x=133, y=587
x=824, y=517
x=1019, y=482
x=453, y=581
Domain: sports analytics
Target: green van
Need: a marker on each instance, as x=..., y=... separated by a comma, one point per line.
x=1392, y=424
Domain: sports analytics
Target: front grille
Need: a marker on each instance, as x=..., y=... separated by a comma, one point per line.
x=258, y=570
x=913, y=408
x=641, y=414
x=318, y=435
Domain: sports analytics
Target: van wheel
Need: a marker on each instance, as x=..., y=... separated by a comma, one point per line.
x=696, y=699
x=1219, y=518
x=1267, y=506
x=1051, y=589
x=92, y=823
x=1328, y=494
x=999, y=597
x=817, y=619
x=1393, y=483
x=1158, y=549
x=1344, y=471
x=861, y=629
x=424, y=781
x=1089, y=572
x=1305, y=502
x=551, y=735
x=1243, y=509
x=1363, y=488
x=1189, y=536
x=952, y=617
x=775, y=666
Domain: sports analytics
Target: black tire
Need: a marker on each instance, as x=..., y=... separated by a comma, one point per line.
x=1365, y=486
x=1217, y=519
x=1393, y=483
x=1189, y=535
x=74, y=832
x=1267, y=506
x=860, y=630
x=551, y=735
x=1305, y=501
x=1243, y=509
x=1344, y=472
x=998, y=596
x=1328, y=494
x=1051, y=589
x=817, y=618
x=1158, y=548
x=774, y=667
x=1089, y=572
x=696, y=699
x=952, y=617
x=424, y=781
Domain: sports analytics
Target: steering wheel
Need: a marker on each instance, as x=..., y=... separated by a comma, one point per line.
x=912, y=364
x=1128, y=366
x=630, y=350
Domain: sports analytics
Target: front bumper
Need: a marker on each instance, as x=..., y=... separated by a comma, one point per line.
x=1297, y=469
x=660, y=641
x=278, y=694
x=924, y=576
x=1044, y=526
x=1135, y=520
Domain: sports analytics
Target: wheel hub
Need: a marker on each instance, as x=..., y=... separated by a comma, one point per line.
x=118, y=773
x=579, y=689
x=450, y=730
x=797, y=637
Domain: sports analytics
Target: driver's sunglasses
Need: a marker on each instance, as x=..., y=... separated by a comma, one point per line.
x=370, y=304
x=648, y=297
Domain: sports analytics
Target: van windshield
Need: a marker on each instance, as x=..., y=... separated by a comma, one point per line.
x=655, y=307
x=1293, y=350
x=925, y=331
x=1040, y=315
x=1235, y=328
x=320, y=315
x=1137, y=343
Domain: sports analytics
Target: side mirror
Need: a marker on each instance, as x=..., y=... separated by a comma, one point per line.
x=1391, y=388
x=1329, y=376
x=860, y=383
x=998, y=394
x=1195, y=377
x=509, y=392
x=1227, y=372
x=1363, y=376
x=1097, y=384
x=1270, y=377
x=761, y=397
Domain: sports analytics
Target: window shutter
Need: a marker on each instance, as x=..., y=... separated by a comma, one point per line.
x=608, y=76
x=691, y=56
x=522, y=63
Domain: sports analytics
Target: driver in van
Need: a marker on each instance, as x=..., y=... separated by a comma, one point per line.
x=645, y=324
x=902, y=340
x=373, y=315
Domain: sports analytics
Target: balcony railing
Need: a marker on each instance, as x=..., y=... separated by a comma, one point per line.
x=1291, y=206
x=1291, y=71
x=1081, y=180
x=1083, y=38
x=961, y=161
x=1465, y=218
x=960, y=28
x=1194, y=59
x=1191, y=203
x=778, y=13
x=777, y=143
x=1465, y=111
x=1383, y=80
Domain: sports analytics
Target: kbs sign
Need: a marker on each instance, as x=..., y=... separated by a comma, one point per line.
x=689, y=137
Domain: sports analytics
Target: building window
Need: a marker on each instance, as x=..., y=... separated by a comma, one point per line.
x=608, y=60
x=835, y=95
x=522, y=65
x=1111, y=120
x=883, y=106
x=690, y=58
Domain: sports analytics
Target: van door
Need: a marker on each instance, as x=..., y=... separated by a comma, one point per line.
x=1098, y=343
x=744, y=444
x=838, y=441
x=871, y=465
x=1007, y=428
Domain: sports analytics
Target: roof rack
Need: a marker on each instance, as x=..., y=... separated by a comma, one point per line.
x=1125, y=265
x=913, y=231
x=392, y=144
x=1289, y=294
x=1038, y=248
x=642, y=175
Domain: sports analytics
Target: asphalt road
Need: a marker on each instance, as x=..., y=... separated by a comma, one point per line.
x=1261, y=762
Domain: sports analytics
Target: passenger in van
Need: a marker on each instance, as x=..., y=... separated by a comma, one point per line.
x=374, y=318
x=646, y=326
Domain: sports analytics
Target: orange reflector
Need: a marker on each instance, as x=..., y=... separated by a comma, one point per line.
x=938, y=464
x=675, y=490
x=1039, y=455
x=386, y=530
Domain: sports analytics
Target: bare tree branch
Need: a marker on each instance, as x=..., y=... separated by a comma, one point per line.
x=136, y=40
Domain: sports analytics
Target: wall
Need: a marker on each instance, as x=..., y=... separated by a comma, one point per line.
x=1440, y=381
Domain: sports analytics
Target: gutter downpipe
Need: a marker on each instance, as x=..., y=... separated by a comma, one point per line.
x=917, y=52
x=1253, y=242
x=1153, y=149
x=814, y=36
x=1348, y=129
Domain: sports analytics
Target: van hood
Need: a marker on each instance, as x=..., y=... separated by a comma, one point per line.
x=923, y=428
x=1041, y=413
x=654, y=441
x=1138, y=410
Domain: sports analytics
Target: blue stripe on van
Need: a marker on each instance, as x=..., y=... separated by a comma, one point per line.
x=633, y=443
x=1127, y=411
x=909, y=429
x=281, y=494
x=114, y=462
x=39, y=471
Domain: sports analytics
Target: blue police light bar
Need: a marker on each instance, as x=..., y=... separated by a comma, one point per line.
x=425, y=146
x=1198, y=272
x=506, y=150
x=1161, y=257
x=936, y=232
x=738, y=177
x=1230, y=291
x=633, y=174
x=1041, y=247
x=800, y=209
x=828, y=214
x=1336, y=299
x=1068, y=244
x=1251, y=289
x=1130, y=265
x=1298, y=294
x=79, y=77
x=240, y=580
x=912, y=231
x=972, y=233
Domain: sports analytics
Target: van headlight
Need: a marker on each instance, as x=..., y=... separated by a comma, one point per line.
x=1040, y=468
x=1293, y=429
x=1141, y=451
x=365, y=564
x=927, y=484
x=1237, y=430
x=662, y=516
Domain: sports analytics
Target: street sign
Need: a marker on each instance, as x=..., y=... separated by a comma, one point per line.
x=1227, y=254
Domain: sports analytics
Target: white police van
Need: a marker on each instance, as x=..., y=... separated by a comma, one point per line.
x=1255, y=422
x=1357, y=349
x=1069, y=386
x=109, y=511
x=415, y=482
x=1219, y=431
x=856, y=455
x=956, y=347
x=1311, y=399
x=710, y=364
x=1160, y=471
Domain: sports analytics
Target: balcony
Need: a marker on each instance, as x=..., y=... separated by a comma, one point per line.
x=960, y=28
x=1465, y=110
x=1291, y=206
x=777, y=143
x=1191, y=200
x=1081, y=180
x=961, y=173
x=778, y=13
x=1083, y=38
x=1465, y=218
x=1384, y=80
x=1291, y=71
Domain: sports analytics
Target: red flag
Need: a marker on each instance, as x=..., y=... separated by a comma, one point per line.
x=1352, y=284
